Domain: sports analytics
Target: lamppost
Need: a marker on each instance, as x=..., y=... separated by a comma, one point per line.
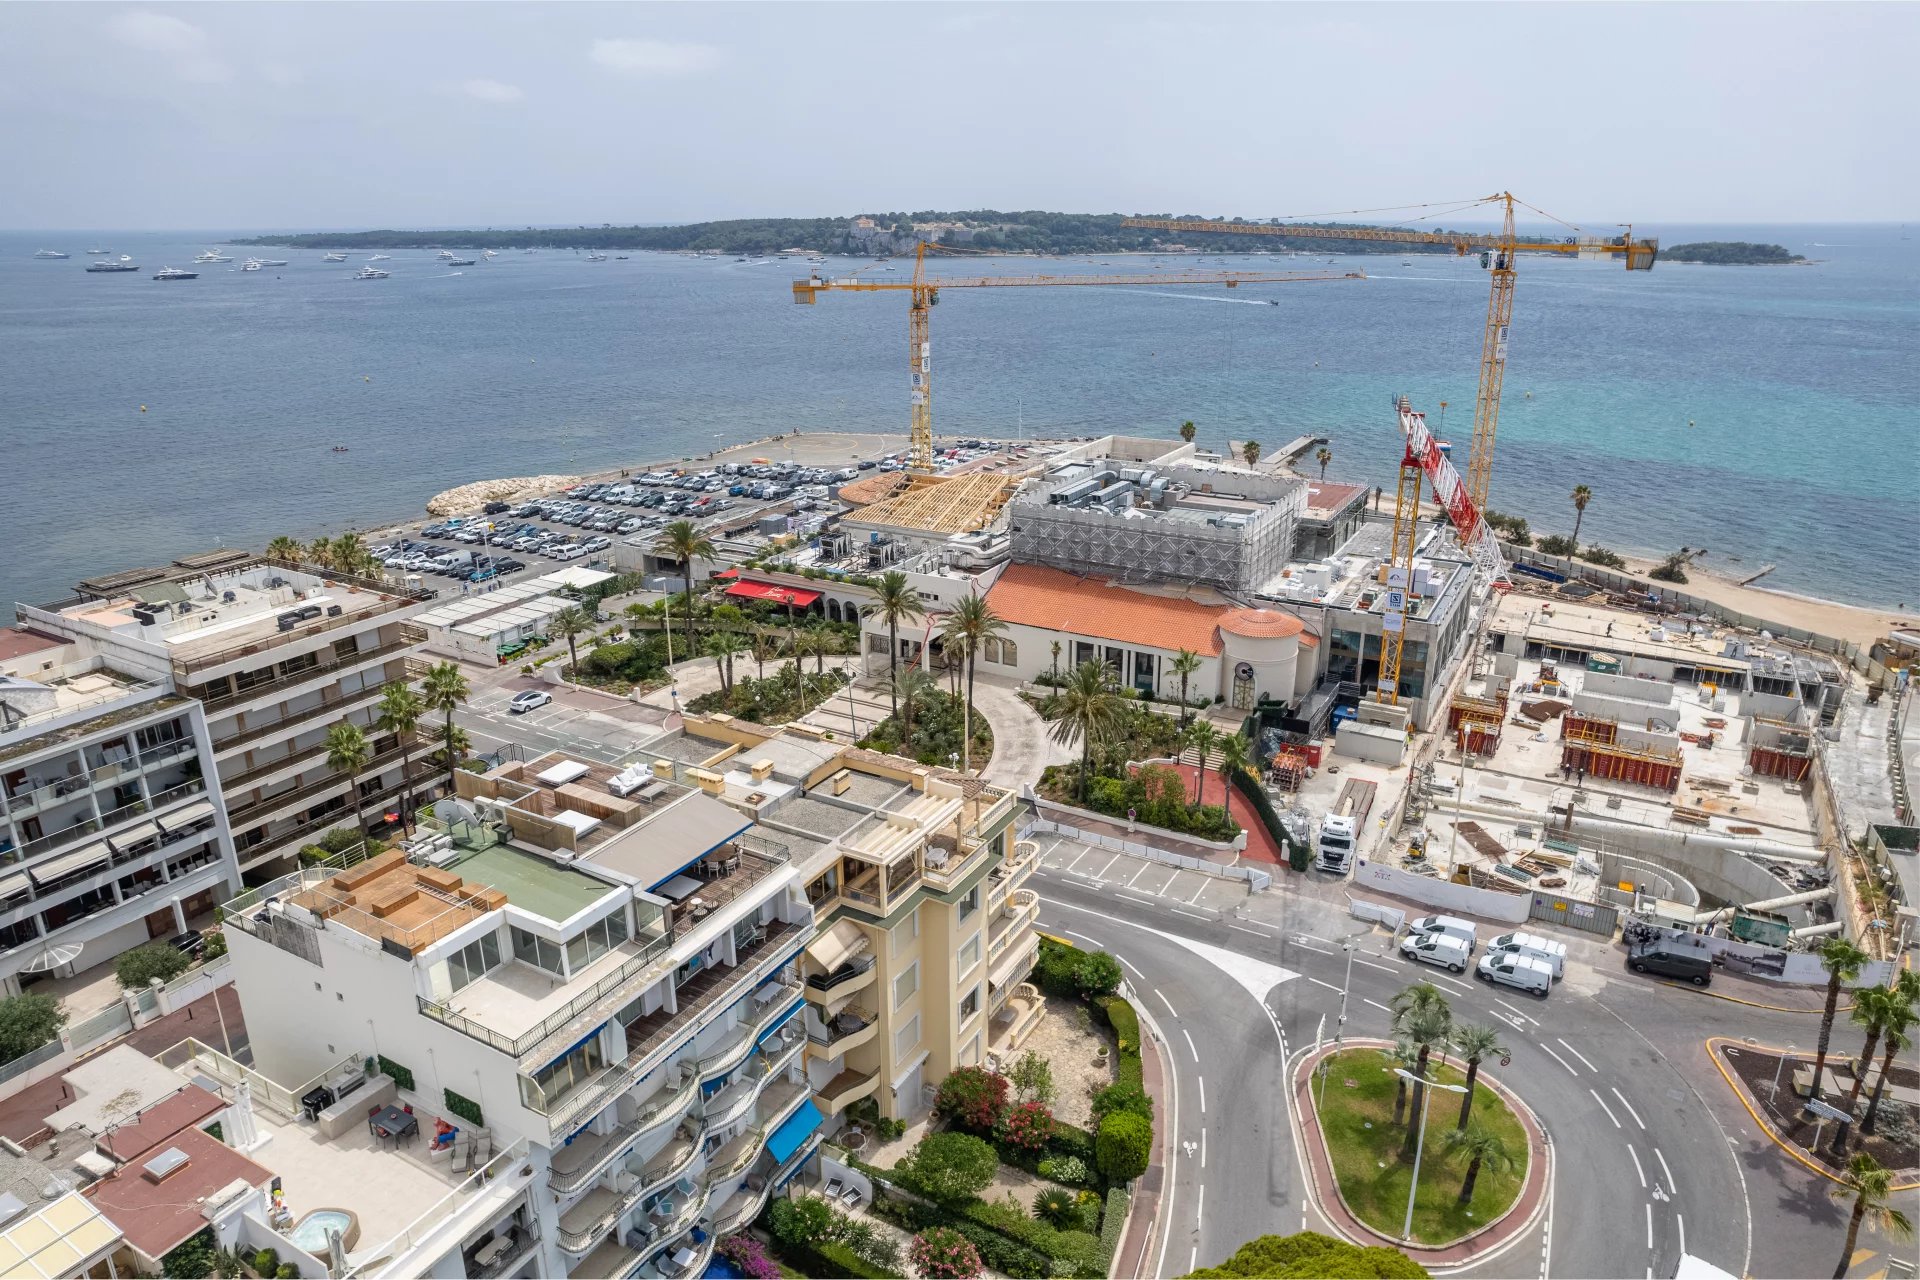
x=1348, y=944
x=1459, y=797
x=1774, y=1096
x=1426, y=1088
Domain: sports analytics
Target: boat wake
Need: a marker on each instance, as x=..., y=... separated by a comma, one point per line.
x=1199, y=297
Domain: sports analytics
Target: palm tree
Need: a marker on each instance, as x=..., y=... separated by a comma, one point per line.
x=1056, y=662
x=401, y=707
x=457, y=748
x=972, y=623
x=1089, y=711
x=570, y=622
x=1475, y=1044
x=1421, y=1016
x=444, y=689
x=1202, y=737
x=348, y=752
x=1895, y=1036
x=895, y=603
x=1479, y=1147
x=1843, y=962
x=1251, y=452
x=1233, y=759
x=1185, y=664
x=910, y=689
x=1869, y=1187
x=348, y=553
x=1188, y=431
x=683, y=541
x=284, y=548
x=1402, y=1057
x=320, y=552
x=719, y=645
x=1323, y=456
x=764, y=648
x=1581, y=497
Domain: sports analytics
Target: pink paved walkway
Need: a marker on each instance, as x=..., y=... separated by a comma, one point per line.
x=1260, y=845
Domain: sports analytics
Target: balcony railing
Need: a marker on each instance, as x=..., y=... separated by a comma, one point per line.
x=247, y=813
x=331, y=707
x=850, y=976
x=665, y=1107
x=26, y=803
x=740, y=1043
x=851, y=1027
x=111, y=818
x=504, y=1168
x=279, y=684
x=1022, y=908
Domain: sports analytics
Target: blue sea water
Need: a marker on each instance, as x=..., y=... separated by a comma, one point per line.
x=1766, y=413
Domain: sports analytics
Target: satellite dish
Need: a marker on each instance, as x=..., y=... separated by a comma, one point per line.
x=451, y=811
x=53, y=957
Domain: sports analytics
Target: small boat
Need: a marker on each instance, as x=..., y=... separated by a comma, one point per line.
x=370, y=273
x=445, y=255
x=340, y=448
x=124, y=264
x=488, y=253
x=97, y=252
x=251, y=264
x=336, y=257
x=381, y=257
x=272, y=262
x=457, y=262
x=175, y=273
x=619, y=257
x=212, y=255
x=49, y=253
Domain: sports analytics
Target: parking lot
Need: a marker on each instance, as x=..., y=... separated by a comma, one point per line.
x=596, y=726
x=1126, y=876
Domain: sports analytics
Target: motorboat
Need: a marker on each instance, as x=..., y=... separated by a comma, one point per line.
x=94, y=253
x=272, y=262
x=212, y=255
x=336, y=257
x=370, y=273
x=381, y=257
x=596, y=257
x=175, y=273
x=488, y=253
x=445, y=255
x=251, y=264
x=123, y=264
x=49, y=253
x=458, y=262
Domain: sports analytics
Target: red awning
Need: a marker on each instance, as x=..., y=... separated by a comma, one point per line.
x=772, y=594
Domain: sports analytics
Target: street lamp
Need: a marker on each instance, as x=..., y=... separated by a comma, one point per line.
x=1774, y=1096
x=1348, y=944
x=1425, y=1088
x=1459, y=797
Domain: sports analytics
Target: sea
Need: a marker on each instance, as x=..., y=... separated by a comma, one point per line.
x=1767, y=414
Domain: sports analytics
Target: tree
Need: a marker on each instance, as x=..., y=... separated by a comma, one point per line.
x=1875, y=1009
x=1843, y=962
x=1233, y=760
x=972, y=1096
x=636, y=613
x=1479, y=1147
x=763, y=647
x=349, y=553
x=972, y=623
x=1097, y=975
x=1032, y=1078
x=1028, y=1126
x=1323, y=456
x=1251, y=452
x=911, y=687
x=1475, y=1044
x=1087, y=711
x=1869, y=1187
x=1308, y=1255
x=570, y=622
x=942, y=1253
x=1402, y=1057
x=136, y=968
x=895, y=602
x=952, y=1166
x=1421, y=1016
x=284, y=548
x=348, y=752
x=1203, y=738
x=1895, y=1035
x=1056, y=662
x=1188, y=431
x=1123, y=1146
x=28, y=1021
x=1185, y=663
x=399, y=714
x=721, y=646
x=1581, y=497
x=444, y=690
x=683, y=541
x=320, y=552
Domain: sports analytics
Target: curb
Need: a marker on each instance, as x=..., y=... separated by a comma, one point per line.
x=1759, y=1120
x=1156, y=1226
x=1752, y=1004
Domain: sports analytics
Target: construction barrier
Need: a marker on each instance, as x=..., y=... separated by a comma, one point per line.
x=1769, y=763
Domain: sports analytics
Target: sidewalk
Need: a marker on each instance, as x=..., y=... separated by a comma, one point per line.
x=1133, y=1261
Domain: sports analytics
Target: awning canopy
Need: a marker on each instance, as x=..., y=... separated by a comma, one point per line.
x=837, y=945
x=784, y=1018
x=12, y=884
x=128, y=837
x=796, y=1129
x=187, y=816
x=767, y=591
x=87, y=856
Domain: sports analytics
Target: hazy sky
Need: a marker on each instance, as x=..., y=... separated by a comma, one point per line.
x=291, y=116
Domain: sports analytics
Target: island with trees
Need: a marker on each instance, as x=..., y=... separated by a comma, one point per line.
x=1731, y=253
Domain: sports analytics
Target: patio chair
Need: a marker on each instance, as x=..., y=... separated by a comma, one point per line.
x=851, y=1198
x=835, y=1186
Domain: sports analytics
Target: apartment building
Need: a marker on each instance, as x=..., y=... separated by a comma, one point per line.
x=600, y=971
x=275, y=655
x=925, y=929
x=109, y=834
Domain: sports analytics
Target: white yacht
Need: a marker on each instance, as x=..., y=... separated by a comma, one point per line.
x=445, y=255
x=94, y=253
x=370, y=273
x=125, y=263
x=596, y=257
x=212, y=255
x=49, y=253
x=381, y=257
x=489, y=253
x=336, y=257
x=251, y=264
x=271, y=262
x=175, y=273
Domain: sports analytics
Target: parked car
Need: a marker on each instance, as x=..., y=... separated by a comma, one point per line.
x=527, y=700
x=1523, y=973
x=1452, y=926
x=1666, y=960
x=1549, y=952
x=1436, y=948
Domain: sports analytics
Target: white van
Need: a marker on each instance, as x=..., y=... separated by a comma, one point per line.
x=1436, y=948
x=1522, y=972
x=1452, y=926
x=1546, y=950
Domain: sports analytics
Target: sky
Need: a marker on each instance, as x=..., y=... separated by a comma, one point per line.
x=292, y=116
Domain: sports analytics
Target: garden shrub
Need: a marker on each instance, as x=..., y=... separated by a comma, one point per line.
x=1028, y=1126
x=1121, y=1096
x=972, y=1096
x=139, y=966
x=1123, y=1146
x=942, y=1253
x=1308, y=1253
x=28, y=1021
x=465, y=1108
x=267, y=1261
x=748, y=1256
x=402, y=1076
x=1056, y=1205
x=952, y=1166
x=1069, y=1170
x=1099, y=975
x=1113, y=1220
x=192, y=1258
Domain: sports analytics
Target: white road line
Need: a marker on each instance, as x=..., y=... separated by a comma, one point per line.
x=1616, y=1119
x=1452, y=982
x=1144, y=868
x=1386, y=968
x=1304, y=944
x=1203, y=1147
x=1516, y=1012
x=1636, y=1166
x=1083, y=937
x=1672, y=1186
x=1562, y=1061
x=1199, y=1210
x=1203, y=1107
x=1134, y=897
x=1576, y=1053
x=1191, y=915
x=1123, y=960
x=1076, y=857
x=1197, y=892
x=1629, y=1106
x=1376, y=1004
x=1319, y=982
x=1190, y=1049
x=1649, y=1230
x=1193, y=1259
x=1163, y=1000
x=1102, y=872
x=1259, y=933
x=1681, y=1222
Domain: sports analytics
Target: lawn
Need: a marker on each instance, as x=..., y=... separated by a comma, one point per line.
x=1366, y=1160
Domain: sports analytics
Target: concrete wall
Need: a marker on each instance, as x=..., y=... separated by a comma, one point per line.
x=1638, y=714
x=1629, y=687
x=1369, y=742
x=1488, y=904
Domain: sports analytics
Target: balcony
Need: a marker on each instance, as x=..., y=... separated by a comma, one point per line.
x=586, y=1158
x=597, y=1211
x=730, y=1103
x=1016, y=917
x=736, y=1155
x=25, y=803
x=1015, y=962
x=611, y=1259
x=332, y=706
x=740, y=1207
x=1013, y=872
x=106, y=821
x=851, y=977
x=775, y=1002
x=848, y=1029
x=254, y=812
x=778, y=1100
x=278, y=844
x=846, y=1088
x=281, y=687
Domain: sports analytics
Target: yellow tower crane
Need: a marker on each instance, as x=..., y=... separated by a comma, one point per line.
x=924, y=294
x=1497, y=252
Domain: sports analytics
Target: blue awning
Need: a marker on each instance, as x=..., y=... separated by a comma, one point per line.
x=785, y=1018
x=793, y=1131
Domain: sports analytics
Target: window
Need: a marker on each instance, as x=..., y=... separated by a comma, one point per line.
x=990, y=649
x=1009, y=653
x=529, y=948
x=905, y=985
x=970, y=1006
x=473, y=960
x=969, y=904
x=598, y=938
x=907, y=1038
x=902, y=935
x=969, y=954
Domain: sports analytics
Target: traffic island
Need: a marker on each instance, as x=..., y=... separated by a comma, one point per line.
x=1362, y=1172
x=1764, y=1079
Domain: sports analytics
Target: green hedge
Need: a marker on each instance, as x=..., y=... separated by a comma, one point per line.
x=826, y=1258
x=1121, y=1016
x=401, y=1075
x=1112, y=1223
x=1249, y=786
x=465, y=1108
x=1009, y=1241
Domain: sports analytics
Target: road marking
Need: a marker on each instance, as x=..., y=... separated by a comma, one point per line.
x=1193, y=1259
x=1190, y=1049
x=1376, y=1004
x=1576, y=1053
x=1629, y=1106
x=1671, y=1184
x=1299, y=941
x=1197, y=892
x=1163, y=1000
x=1199, y=1211
x=1636, y=1166
x=1085, y=850
x=1203, y=1107
x=1562, y=1061
x=1649, y=1230
x=1123, y=960
x=1516, y=1012
x=1203, y=1147
x=1102, y=872
x=1680, y=1221
x=1134, y=897
x=1452, y=982
x=1319, y=982
x=1616, y=1120
x=1191, y=915
x=1386, y=968
x=1083, y=937
x=1259, y=933
x=1144, y=867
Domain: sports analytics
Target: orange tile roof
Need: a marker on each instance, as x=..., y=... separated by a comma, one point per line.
x=1261, y=623
x=1031, y=596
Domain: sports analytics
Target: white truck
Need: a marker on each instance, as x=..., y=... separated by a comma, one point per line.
x=1340, y=829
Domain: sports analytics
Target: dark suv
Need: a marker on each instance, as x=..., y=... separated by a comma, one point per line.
x=1689, y=964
